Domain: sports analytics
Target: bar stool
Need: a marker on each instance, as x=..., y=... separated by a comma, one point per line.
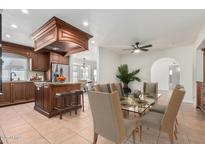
x=79, y=93
x=63, y=103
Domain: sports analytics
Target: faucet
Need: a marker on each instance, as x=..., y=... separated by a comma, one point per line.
x=11, y=79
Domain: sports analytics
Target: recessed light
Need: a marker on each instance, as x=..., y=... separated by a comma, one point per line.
x=55, y=48
x=93, y=42
x=85, y=23
x=24, y=11
x=14, y=26
x=8, y=36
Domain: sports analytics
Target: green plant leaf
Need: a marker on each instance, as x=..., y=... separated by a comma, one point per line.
x=126, y=77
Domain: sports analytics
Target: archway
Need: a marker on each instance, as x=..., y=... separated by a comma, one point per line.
x=165, y=71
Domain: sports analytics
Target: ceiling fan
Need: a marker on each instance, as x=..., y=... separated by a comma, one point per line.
x=136, y=48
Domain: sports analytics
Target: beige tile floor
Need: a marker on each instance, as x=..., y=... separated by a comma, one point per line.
x=22, y=124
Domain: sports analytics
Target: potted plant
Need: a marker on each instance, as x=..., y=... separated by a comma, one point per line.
x=126, y=77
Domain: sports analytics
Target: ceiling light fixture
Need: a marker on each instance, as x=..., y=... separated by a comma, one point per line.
x=14, y=26
x=55, y=48
x=93, y=42
x=85, y=23
x=8, y=36
x=24, y=11
x=137, y=51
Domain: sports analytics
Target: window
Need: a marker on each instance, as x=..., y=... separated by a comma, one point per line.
x=14, y=63
x=81, y=73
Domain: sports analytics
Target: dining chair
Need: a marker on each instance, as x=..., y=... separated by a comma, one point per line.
x=150, y=89
x=165, y=122
x=162, y=108
x=103, y=88
x=108, y=119
x=117, y=87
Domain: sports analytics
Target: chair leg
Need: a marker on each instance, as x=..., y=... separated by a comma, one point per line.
x=176, y=130
x=95, y=138
x=61, y=106
x=171, y=137
x=175, y=134
x=133, y=136
x=83, y=101
x=140, y=131
x=177, y=123
x=76, y=105
x=158, y=137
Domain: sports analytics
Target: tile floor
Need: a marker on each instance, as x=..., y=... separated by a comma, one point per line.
x=22, y=124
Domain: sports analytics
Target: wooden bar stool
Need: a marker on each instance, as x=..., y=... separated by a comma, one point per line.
x=79, y=93
x=63, y=103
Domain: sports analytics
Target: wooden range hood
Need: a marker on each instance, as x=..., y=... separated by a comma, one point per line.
x=59, y=36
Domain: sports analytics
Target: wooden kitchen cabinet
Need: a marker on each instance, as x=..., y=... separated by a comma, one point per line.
x=58, y=58
x=40, y=61
x=64, y=60
x=17, y=92
x=30, y=91
x=5, y=98
x=54, y=57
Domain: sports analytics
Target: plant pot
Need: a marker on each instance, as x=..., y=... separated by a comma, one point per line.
x=126, y=89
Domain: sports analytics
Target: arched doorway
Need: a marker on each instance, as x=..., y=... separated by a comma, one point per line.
x=165, y=71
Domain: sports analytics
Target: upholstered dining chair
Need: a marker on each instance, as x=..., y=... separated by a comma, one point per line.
x=165, y=122
x=117, y=87
x=162, y=108
x=103, y=88
x=150, y=89
x=108, y=119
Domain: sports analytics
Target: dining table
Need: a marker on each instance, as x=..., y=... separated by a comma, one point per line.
x=137, y=105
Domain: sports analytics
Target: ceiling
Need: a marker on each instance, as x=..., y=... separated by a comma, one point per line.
x=114, y=29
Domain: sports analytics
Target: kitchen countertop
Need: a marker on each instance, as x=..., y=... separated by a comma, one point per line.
x=20, y=81
x=56, y=83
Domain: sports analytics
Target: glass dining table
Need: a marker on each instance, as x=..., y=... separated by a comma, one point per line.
x=137, y=105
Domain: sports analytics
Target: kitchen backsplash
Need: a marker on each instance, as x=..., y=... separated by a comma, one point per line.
x=32, y=75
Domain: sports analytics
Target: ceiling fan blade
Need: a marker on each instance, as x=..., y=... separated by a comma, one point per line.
x=127, y=49
x=146, y=46
x=144, y=50
x=134, y=46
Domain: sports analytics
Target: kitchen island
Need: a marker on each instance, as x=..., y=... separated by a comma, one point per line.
x=45, y=92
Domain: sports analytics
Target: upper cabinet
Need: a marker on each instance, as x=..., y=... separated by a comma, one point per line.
x=57, y=35
x=16, y=48
x=58, y=58
x=40, y=61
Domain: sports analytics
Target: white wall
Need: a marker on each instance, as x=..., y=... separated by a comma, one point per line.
x=108, y=64
x=144, y=61
x=160, y=72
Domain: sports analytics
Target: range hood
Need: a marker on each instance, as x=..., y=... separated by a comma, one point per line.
x=59, y=36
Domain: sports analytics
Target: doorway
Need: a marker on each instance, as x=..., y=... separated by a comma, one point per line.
x=165, y=71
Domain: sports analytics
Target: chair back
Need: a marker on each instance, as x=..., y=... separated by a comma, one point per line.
x=150, y=89
x=169, y=118
x=107, y=115
x=103, y=88
x=117, y=87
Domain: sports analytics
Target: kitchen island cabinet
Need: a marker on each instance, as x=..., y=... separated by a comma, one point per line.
x=45, y=96
x=17, y=92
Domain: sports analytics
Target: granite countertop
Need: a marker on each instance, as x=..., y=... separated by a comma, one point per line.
x=56, y=83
